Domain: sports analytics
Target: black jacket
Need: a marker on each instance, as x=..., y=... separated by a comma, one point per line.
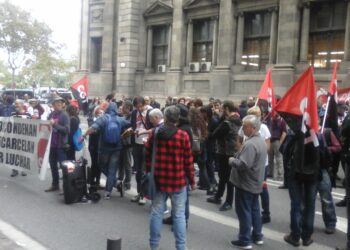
x=226, y=135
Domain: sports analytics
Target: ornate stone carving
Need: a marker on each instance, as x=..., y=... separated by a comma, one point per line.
x=97, y=16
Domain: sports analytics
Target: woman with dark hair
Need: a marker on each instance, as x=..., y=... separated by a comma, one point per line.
x=74, y=125
x=200, y=133
x=212, y=122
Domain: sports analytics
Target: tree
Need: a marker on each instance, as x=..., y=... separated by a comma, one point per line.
x=49, y=69
x=22, y=38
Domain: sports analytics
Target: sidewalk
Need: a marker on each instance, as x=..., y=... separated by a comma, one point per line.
x=7, y=244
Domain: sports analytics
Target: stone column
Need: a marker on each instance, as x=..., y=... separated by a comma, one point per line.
x=108, y=36
x=215, y=41
x=240, y=38
x=189, y=47
x=226, y=37
x=305, y=28
x=149, y=46
x=84, y=36
x=347, y=36
x=273, y=36
x=170, y=29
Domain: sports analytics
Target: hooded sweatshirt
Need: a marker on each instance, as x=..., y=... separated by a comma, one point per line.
x=173, y=159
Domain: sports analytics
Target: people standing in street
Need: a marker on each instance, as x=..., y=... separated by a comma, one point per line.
x=247, y=175
x=111, y=127
x=59, y=121
x=173, y=169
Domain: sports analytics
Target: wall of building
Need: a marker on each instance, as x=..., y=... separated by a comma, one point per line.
x=127, y=37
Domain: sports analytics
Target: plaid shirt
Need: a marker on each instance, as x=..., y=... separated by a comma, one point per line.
x=174, y=162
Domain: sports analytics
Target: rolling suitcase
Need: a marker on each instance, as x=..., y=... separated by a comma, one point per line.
x=74, y=181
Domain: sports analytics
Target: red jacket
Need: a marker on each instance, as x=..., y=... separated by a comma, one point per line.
x=174, y=162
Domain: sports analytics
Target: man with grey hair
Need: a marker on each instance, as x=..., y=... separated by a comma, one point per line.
x=156, y=117
x=173, y=168
x=247, y=175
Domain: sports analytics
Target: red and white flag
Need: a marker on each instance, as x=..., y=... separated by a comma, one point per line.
x=299, y=107
x=267, y=92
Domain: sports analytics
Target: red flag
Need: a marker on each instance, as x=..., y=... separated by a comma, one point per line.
x=299, y=107
x=344, y=94
x=267, y=92
x=80, y=90
x=332, y=89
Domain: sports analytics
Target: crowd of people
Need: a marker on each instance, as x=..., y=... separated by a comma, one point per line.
x=244, y=144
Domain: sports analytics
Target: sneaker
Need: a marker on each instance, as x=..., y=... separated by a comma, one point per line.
x=259, y=242
x=341, y=203
x=136, y=198
x=107, y=196
x=226, y=206
x=214, y=200
x=289, y=239
x=142, y=201
x=241, y=245
x=307, y=242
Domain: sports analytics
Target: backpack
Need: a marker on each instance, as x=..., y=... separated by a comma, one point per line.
x=112, y=131
x=77, y=142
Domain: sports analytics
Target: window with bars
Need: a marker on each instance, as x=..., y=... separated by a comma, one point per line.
x=160, y=46
x=203, y=40
x=256, y=49
x=327, y=33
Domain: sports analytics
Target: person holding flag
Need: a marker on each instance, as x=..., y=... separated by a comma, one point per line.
x=298, y=107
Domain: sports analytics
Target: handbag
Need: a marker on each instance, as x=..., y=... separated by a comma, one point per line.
x=148, y=185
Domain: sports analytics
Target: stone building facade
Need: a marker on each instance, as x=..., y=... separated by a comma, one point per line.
x=219, y=48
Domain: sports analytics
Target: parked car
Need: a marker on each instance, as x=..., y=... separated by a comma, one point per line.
x=18, y=93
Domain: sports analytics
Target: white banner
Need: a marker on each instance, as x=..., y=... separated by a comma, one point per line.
x=24, y=144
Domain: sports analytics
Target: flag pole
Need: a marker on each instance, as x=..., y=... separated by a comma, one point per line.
x=256, y=103
x=325, y=114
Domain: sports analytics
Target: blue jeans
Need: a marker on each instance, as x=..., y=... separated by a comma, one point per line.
x=109, y=162
x=248, y=213
x=178, y=200
x=302, y=196
x=57, y=155
x=324, y=188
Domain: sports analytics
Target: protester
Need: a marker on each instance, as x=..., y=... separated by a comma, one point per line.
x=20, y=112
x=35, y=109
x=247, y=175
x=8, y=107
x=172, y=143
x=59, y=120
x=111, y=127
x=74, y=122
x=93, y=149
x=265, y=134
x=140, y=123
x=127, y=160
x=226, y=135
x=154, y=104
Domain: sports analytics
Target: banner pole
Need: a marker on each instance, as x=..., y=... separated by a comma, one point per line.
x=325, y=114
